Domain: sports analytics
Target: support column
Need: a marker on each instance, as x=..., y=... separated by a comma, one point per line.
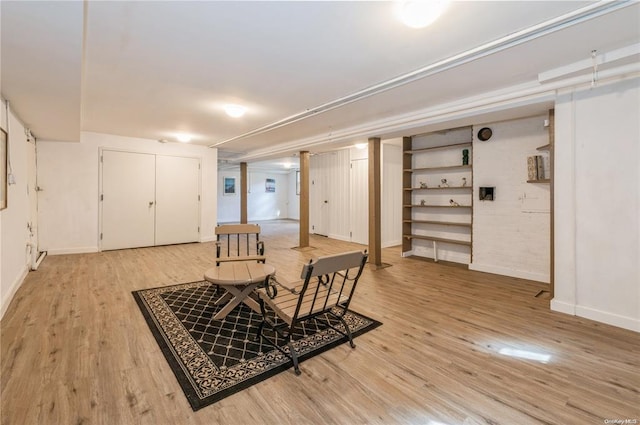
x=304, y=199
x=552, y=138
x=243, y=192
x=375, y=243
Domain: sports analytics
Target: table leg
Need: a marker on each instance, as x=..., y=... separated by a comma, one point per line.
x=224, y=298
x=239, y=294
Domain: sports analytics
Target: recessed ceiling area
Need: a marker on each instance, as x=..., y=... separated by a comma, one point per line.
x=318, y=75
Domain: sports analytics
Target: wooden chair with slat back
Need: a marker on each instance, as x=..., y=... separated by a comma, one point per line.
x=327, y=286
x=239, y=242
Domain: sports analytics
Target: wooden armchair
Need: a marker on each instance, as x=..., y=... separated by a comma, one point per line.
x=327, y=286
x=239, y=242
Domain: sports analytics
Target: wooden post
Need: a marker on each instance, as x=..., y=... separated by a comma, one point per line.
x=304, y=199
x=552, y=140
x=375, y=243
x=243, y=192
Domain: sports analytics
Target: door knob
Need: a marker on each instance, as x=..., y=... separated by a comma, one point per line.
x=150, y=203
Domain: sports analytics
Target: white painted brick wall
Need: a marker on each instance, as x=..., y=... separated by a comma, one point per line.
x=511, y=234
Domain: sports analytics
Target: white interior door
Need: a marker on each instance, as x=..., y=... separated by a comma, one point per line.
x=177, y=200
x=360, y=201
x=319, y=202
x=128, y=200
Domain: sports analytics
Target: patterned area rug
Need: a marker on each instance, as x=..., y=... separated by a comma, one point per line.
x=213, y=359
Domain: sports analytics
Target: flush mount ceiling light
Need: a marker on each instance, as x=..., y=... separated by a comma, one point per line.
x=183, y=138
x=420, y=13
x=361, y=145
x=235, y=111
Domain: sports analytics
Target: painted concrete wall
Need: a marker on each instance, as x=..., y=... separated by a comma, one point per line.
x=261, y=205
x=14, y=261
x=597, y=204
x=511, y=234
x=68, y=174
x=293, y=203
x=391, y=208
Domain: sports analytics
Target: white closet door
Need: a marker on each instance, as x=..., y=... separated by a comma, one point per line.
x=177, y=200
x=128, y=199
x=319, y=199
x=360, y=201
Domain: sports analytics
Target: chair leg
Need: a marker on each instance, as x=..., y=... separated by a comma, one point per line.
x=348, y=331
x=259, y=332
x=294, y=357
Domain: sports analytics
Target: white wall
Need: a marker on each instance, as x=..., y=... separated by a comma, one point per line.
x=14, y=262
x=335, y=167
x=228, y=205
x=391, y=208
x=294, y=198
x=261, y=205
x=511, y=234
x=597, y=204
x=68, y=174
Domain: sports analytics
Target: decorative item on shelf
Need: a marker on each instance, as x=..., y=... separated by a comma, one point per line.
x=485, y=134
x=540, y=166
x=423, y=202
x=464, y=182
x=453, y=203
x=486, y=193
x=443, y=183
x=535, y=167
x=532, y=169
x=423, y=185
x=465, y=156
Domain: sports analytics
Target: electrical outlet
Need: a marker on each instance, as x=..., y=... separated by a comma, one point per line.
x=11, y=179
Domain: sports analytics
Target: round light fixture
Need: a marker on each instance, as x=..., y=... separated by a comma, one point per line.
x=420, y=13
x=235, y=111
x=183, y=138
x=361, y=145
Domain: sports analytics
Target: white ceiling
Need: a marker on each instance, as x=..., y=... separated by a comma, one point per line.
x=155, y=69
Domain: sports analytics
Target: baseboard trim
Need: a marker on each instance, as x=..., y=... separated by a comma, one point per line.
x=392, y=243
x=504, y=271
x=605, y=317
x=12, y=291
x=339, y=237
x=609, y=318
x=563, y=307
x=79, y=250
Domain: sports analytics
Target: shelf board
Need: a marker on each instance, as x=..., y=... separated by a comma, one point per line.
x=440, y=188
x=539, y=181
x=544, y=148
x=436, y=239
x=449, y=167
x=456, y=145
x=435, y=206
x=444, y=223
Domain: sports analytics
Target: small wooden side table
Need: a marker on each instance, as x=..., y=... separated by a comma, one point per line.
x=240, y=279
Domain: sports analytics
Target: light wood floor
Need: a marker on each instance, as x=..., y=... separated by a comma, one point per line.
x=76, y=350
